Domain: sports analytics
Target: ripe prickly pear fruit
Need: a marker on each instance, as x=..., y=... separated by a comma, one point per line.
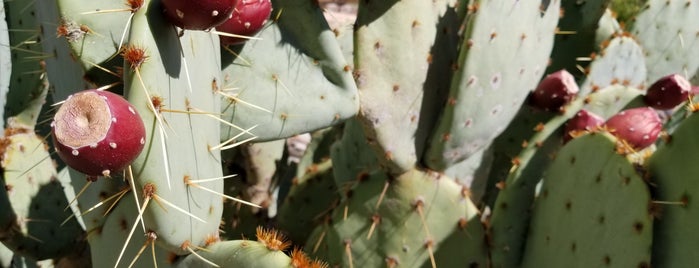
x=582, y=121
x=247, y=19
x=554, y=91
x=668, y=92
x=198, y=14
x=97, y=132
x=639, y=127
x=694, y=90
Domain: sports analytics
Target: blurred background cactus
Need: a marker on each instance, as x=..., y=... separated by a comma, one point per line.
x=396, y=133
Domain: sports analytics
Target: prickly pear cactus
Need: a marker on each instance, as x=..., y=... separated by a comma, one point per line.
x=670, y=45
x=500, y=61
x=33, y=200
x=393, y=57
x=96, y=31
x=590, y=196
x=673, y=173
x=296, y=78
x=441, y=89
x=171, y=82
x=402, y=221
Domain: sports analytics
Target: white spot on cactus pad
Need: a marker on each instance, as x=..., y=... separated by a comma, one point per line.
x=143, y=140
x=214, y=13
x=180, y=14
x=468, y=122
x=496, y=110
x=472, y=80
x=113, y=145
x=470, y=148
x=132, y=111
x=495, y=81
x=75, y=152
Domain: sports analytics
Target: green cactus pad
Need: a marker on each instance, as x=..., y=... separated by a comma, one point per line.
x=610, y=100
x=501, y=60
x=419, y=215
x=65, y=73
x=607, y=28
x=473, y=173
x=400, y=65
x=621, y=61
x=305, y=206
x=27, y=85
x=33, y=200
x=112, y=233
x=673, y=171
x=351, y=155
x=295, y=80
x=94, y=28
x=238, y=253
x=667, y=32
x=181, y=139
x=592, y=210
x=519, y=169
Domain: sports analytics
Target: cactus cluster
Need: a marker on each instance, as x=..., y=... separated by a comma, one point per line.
x=445, y=133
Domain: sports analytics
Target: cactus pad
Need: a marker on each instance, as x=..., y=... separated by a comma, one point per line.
x=592, y=210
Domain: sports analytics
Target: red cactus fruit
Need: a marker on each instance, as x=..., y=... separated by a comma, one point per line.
x=554, y=91
x=582, y=121
x=198, y=14
x=694, y=90
x=639, y=127
x=97, y=132
x=668, y=92
x=248, y=18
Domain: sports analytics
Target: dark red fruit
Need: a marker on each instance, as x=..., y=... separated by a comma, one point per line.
x=639, y=127
x=198, y=14
x=668, y=92
x=582, y=121
x=97, y=132
x=248, y=18
x=554, y=91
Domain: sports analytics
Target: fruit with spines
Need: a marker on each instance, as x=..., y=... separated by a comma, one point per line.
x=583, y=121
x=554, y=91
x=668, y=92
x=199, y=14
x=247, y=19
x=98, y=132
x=638, y=127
